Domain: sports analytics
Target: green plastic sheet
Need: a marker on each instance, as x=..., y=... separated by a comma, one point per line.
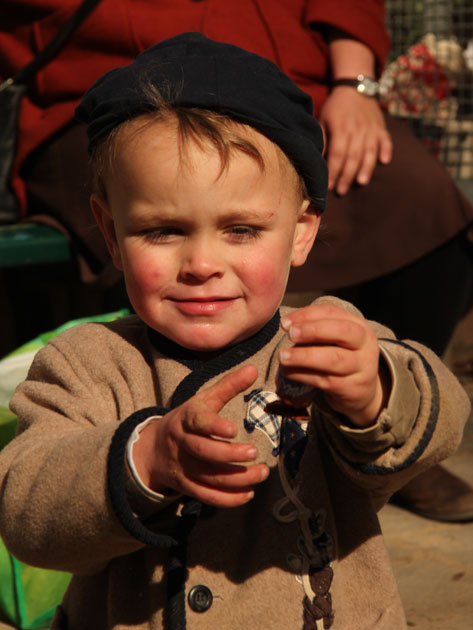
x=28, y=595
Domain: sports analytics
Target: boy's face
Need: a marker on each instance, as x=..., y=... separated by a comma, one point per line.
x=205, y=254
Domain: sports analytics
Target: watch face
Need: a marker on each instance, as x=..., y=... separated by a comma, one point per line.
x=367, y=86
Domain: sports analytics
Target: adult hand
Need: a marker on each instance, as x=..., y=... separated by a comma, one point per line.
x=337, y=353
x=356, y=138
x=188, y=450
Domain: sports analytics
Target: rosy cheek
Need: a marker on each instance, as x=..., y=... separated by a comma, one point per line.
x=264, y=275
x=145, y=273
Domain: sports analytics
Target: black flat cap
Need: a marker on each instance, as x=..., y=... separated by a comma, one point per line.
x=195, y=71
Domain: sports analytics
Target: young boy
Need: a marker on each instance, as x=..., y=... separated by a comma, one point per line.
x=213, y=461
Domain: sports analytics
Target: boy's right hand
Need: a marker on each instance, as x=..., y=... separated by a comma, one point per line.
x=188, y=451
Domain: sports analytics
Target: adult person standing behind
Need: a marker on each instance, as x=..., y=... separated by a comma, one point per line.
x=369, y=198
x=394, y=215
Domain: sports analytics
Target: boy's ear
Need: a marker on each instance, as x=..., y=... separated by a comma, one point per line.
x=104, y=218
x=306, y=230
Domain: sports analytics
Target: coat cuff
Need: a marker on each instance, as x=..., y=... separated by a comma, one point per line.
x=118, y=477
x=143, y=501
x=394, y=423
x=365, y=24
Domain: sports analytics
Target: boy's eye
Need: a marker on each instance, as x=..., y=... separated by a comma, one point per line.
x=244, y=232
x=238, y=233
x=162, y=234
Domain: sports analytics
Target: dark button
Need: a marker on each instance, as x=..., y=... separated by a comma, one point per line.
x=200, y=598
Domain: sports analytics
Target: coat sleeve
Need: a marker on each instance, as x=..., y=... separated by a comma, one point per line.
x=54, y=473
x=421, y=425
x=361, y=19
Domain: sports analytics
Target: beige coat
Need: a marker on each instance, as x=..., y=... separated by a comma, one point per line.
x=305, y=552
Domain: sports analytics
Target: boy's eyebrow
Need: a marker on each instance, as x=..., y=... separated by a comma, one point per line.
x=234, y=215
x=247, y=214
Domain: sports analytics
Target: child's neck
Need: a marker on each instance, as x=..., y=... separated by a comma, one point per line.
x=172, y=349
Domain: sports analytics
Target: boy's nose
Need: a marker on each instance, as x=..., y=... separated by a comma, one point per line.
x=200, y=261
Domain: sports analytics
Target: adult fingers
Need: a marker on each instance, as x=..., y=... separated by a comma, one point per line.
x=336, y=157
x=368, y=162
x=378, y=147
x=355, y=150
x=386, y=147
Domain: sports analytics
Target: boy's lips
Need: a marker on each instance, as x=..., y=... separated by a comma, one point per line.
x=203, y=305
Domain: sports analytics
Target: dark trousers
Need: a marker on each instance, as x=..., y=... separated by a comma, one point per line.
x=424, y=300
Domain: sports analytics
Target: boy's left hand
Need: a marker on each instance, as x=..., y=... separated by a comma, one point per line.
x=338, y=353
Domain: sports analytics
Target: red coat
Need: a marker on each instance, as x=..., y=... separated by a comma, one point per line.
x=119, y=29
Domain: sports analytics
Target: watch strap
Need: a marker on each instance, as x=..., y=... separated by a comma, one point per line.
x=364, y=85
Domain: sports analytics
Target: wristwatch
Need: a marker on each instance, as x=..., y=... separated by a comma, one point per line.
x=363, y=85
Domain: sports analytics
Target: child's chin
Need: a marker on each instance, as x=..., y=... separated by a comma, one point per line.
x=205, y=341
x=203, y=346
